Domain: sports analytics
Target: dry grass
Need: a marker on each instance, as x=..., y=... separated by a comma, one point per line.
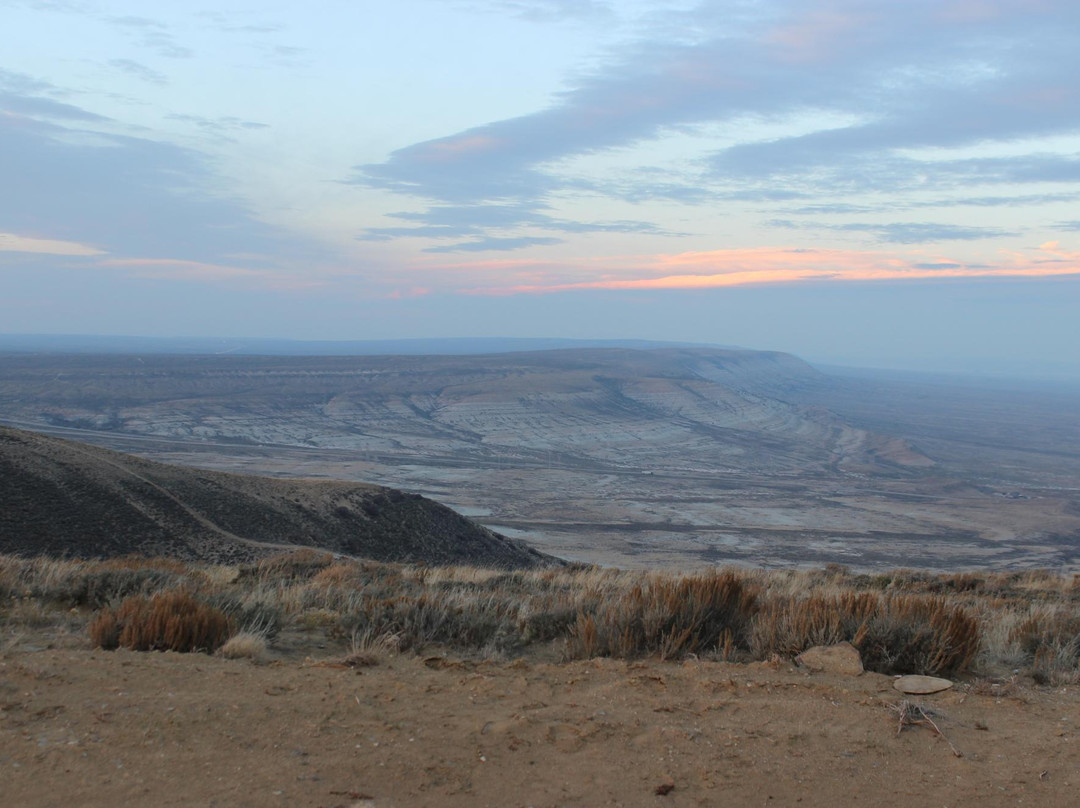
x=669, y=617
x=894, y=633
x=169, y=621
x=995, y=625
x=245, y=645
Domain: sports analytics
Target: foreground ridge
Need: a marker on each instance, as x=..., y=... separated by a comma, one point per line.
x=63, y=498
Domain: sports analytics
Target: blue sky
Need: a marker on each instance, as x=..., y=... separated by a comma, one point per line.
x=879, y=183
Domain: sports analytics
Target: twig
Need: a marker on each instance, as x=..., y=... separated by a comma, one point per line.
x=937, y=729
x=909, y=713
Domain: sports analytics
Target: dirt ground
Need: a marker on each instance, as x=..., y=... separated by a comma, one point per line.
x=123, y=728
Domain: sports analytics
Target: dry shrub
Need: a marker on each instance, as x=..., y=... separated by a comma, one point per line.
x=139, y=562
x=245, y=645
x=297, y=565
x=1046, y=626
x=552, y=621
x=169, y=621
x=789, y=626
x=667, y=616
x=450, y=619
x=913, y=634
x=340, y=574
x=1048, y=639
x=369, y=647
x=900, y=634
x=220, y=575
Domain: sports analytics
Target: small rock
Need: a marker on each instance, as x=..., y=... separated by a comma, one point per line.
x=840, y=658
x=921, y=685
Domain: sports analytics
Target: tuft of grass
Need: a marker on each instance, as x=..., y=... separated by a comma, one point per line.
x=668, y=617
x=245, y=645
x=168, y=621
x=370, y=647
x=297, y=565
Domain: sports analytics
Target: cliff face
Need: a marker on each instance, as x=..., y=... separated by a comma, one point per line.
x=63, y=498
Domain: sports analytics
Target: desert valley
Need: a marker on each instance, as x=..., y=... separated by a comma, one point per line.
x=671, y=457
x=540, y=403
x=498, y=579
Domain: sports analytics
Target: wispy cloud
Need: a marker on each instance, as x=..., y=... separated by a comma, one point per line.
x=496, y=243
x=139, y=71
x=152, y=34
x=485, y=222
x=24, y=95
x=219, y=125
x=553, y=10
x=905, y=77
x=207, y=273
x=236, y=23
x=73, y=179
x=903, y=232
x=775, y=265
x=12, y=242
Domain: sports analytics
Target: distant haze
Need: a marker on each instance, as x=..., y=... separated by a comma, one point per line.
x=1019, y=368
x=888, y=184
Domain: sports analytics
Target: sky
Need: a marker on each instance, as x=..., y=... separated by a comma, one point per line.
x=870, y=182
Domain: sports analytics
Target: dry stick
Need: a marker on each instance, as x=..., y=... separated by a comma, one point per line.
x=907, y=710
x=937, y=729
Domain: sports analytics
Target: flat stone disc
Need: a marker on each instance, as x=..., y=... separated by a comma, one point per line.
x=921, y=685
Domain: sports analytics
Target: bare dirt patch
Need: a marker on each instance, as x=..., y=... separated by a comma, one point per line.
x=111, y=728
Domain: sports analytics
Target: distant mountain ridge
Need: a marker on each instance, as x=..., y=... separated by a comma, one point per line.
x=449, y=346
x=62, y=498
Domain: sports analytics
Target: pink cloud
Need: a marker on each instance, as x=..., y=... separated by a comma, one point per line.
x=818, y=36
x=771, y=265
x=450, y=149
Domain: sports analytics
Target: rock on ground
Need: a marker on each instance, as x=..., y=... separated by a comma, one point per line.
x=840, y=658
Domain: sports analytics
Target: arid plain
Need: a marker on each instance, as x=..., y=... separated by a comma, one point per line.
x=660, y=458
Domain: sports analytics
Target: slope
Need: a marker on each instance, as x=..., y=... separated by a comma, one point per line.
x=63, y=498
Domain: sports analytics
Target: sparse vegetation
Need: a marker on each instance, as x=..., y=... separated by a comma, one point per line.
x=986, y=624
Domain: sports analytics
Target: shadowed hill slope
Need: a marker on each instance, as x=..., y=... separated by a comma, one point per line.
x=63, y=498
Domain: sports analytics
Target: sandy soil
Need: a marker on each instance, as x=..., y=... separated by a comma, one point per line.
x=122, y=728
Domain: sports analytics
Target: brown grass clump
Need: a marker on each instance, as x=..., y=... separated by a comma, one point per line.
x=667, y=616
x=791, y=625
x=894, y=634
x=916, y=634
x=169, y=621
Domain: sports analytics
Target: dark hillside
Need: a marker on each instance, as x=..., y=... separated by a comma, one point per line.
x=63, y=498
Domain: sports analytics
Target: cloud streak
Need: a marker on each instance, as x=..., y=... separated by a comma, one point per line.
x=904, y=232
x=215, y=274
x=12, y=242
x=785, y=265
